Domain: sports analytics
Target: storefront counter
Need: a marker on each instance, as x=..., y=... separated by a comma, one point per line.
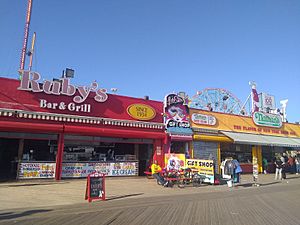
x=33, y=169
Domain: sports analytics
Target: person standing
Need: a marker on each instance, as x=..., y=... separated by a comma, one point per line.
x=238, y=170
x=229, y=169
x=284, y=165
x=265, y=165
x=291, y=162
x=297, y=162
x=278, y=166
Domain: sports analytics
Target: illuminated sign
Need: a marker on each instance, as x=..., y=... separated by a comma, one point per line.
x=141, y=112
x=204, y=119
x=267, y=120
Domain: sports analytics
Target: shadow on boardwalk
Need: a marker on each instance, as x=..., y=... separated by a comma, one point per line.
x=12, y=215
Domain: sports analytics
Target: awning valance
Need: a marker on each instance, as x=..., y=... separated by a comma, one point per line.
x=177, y=137
x=214, y=138
x=265, y=140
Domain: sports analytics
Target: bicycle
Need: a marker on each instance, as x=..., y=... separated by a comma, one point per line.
x=198, y=179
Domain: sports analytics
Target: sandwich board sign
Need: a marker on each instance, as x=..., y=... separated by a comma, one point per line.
x=95, y=187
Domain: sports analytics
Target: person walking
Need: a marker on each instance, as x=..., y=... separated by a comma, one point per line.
x=265, y=165
x=278, y=171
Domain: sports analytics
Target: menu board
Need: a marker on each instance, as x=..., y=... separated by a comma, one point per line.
x=71, y=170
x=36, y=170
x=29, y=170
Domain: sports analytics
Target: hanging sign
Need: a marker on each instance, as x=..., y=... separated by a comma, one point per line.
x=95, y=187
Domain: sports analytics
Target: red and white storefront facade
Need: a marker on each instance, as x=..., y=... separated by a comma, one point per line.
x=76, y=127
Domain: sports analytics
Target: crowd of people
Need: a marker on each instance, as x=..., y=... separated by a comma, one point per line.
x=284, y=164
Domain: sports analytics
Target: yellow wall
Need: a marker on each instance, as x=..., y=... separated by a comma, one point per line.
x=256, y=153
x=245, y=124
x=200, y=137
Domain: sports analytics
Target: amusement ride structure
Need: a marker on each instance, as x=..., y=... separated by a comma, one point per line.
x=217, y=100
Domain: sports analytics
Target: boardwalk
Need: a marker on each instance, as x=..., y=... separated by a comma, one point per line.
x=271, y=203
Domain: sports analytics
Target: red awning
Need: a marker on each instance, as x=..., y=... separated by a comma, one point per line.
x=12, y=126
x=113, y=132
x=177, y=137
x=34, y=127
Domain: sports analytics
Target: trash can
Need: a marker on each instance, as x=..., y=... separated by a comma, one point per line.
x=229, y=183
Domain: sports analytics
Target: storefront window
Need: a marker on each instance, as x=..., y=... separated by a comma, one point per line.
x=268, y=153
x=242, y=153
x=179, y=147
x=39, y=150
x=205, y=150
x=101, y=151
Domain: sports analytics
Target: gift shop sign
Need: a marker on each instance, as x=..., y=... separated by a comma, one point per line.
x=176, y=114
x=267, y=120
x=204, y=167
x=30, y=82
x=203, y=119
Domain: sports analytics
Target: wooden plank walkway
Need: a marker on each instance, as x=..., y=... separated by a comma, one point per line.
x=266, y=205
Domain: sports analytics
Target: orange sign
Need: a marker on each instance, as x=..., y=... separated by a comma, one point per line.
x=245, y=124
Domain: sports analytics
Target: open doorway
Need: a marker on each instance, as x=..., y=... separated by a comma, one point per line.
x=145, y=153
x=8, y=158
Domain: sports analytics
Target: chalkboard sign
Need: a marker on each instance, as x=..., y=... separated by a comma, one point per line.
x=95, y=188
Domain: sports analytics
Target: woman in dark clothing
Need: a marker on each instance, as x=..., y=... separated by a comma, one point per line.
x=278, y=171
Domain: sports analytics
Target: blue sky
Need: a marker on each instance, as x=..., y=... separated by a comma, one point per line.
x=157, y=47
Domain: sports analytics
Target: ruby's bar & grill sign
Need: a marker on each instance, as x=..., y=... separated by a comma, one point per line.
x=267, y=120
x=30, y=82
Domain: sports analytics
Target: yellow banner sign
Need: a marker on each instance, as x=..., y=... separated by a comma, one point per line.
x=245, y=124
